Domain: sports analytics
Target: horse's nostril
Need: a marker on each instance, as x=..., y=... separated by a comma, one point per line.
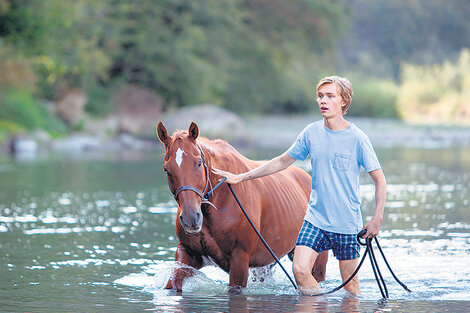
x=191, y=219
x=198, y=217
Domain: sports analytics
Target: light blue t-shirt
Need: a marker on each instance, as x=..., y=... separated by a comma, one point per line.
x=336, y=158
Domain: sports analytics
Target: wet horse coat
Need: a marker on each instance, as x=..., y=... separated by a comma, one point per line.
x=276, y=204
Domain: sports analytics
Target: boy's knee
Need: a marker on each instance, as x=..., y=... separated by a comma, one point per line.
x=301, y=271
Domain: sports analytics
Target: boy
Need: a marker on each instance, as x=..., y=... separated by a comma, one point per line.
x=338, y=150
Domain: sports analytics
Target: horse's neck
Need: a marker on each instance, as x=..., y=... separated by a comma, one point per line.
x=223, y=156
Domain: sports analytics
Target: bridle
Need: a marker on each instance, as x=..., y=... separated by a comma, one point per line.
x=208, y=190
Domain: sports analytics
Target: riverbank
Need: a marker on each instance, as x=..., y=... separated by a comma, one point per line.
x=267, y=132
x=278, y=132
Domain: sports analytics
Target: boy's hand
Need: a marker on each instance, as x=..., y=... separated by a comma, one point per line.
x=231, y=178
x=372, y=227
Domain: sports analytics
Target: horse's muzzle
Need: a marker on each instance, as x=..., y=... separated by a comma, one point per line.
x=191, y=221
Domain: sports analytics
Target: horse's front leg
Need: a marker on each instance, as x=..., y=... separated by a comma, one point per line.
x=239, y=270
x=183, y=256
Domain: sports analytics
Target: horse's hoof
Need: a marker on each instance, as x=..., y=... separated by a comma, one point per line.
x=175, y=291
x=235, y=290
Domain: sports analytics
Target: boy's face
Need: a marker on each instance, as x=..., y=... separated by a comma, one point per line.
x=329, y=101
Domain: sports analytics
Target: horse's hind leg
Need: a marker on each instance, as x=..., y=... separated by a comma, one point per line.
x=319, y=268
x=180, y=273
x=291, y=255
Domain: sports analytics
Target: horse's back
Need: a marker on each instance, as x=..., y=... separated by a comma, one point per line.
x=276, y=203
x=283, y=202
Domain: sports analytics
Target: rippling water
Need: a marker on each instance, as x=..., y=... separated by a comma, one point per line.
x=96, y=232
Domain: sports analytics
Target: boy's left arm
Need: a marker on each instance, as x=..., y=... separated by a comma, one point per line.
x=373, y=226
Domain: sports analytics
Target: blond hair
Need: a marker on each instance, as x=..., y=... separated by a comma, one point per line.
x=344, y=88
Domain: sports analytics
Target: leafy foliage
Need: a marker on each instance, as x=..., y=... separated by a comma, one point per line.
x=19, y=108
x=233, y=53
x=438, y=93
x=391, y=32
x=250, y=56
x=374, y=98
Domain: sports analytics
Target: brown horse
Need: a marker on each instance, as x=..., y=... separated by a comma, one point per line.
x=217, y=231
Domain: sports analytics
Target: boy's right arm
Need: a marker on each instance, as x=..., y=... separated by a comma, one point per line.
x=275, y=165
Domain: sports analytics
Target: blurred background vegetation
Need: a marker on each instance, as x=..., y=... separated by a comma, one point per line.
x=406, y=59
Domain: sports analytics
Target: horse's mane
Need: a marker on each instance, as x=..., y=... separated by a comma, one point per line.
x=213, y=146
x=217, y=146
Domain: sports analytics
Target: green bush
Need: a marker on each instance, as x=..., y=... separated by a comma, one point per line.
x=375, y=98
x=10, y=127
x=437, y=93
x=99, y=103
x=21, y=109
x=52, y=123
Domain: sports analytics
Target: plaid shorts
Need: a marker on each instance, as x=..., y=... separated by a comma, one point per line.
x=344, y=246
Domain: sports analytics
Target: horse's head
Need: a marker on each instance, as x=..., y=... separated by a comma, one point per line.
x=186, y=170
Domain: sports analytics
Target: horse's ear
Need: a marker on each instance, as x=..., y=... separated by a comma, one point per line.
x=193, y=131
x=163, y=134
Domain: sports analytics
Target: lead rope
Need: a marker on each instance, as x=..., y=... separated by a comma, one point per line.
x=261, y=237
x=367, y=243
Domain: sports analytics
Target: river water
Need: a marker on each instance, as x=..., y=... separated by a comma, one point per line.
x=95, y=232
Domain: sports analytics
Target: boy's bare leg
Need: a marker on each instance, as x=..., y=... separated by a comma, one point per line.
x=347, y=267
x=304, y=258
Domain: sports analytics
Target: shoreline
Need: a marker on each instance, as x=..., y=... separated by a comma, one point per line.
x=258, y=132
x=383, y=133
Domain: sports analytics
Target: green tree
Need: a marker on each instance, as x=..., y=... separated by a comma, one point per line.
x=438, y=93
x=396, y=31
x=232, y=53
x=243, y=54
x=58, y=38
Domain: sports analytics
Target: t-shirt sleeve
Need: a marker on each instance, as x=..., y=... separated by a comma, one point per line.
x=300, y=149
x=368, y=157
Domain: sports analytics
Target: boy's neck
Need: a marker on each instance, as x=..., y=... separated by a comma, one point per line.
x=336, y=123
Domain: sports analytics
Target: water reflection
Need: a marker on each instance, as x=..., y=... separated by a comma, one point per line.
x=172, y=302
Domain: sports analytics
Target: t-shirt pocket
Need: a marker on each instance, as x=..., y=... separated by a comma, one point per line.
x=341, y=161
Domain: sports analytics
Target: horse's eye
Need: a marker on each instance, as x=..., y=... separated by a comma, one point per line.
x=199, y=163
